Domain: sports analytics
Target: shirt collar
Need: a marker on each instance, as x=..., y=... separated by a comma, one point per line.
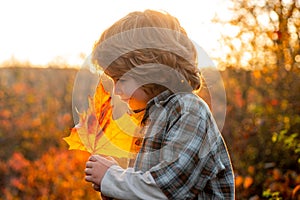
x=160, y=99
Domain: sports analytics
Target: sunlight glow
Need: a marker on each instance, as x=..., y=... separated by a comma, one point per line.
x=42, y=32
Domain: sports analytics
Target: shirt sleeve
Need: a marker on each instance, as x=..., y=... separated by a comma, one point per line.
x=122, y=183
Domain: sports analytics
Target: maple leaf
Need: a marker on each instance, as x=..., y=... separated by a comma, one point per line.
x=98, y=133
x=74, y=141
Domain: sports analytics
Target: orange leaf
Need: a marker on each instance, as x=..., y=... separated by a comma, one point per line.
x=74, y=141
x=100, y=134
x=248, y=181
x=238, y=181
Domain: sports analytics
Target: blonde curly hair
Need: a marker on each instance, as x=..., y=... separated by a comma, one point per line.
x=143, y=39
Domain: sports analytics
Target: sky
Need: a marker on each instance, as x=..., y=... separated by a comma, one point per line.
x=44, y=31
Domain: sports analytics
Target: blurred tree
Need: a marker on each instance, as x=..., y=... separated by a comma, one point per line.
x=262, y=33
x=261, y=46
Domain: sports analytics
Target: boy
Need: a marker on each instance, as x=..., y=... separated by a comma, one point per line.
x=182, y=155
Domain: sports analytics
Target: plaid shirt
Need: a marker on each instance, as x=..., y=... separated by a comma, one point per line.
x=184, y=150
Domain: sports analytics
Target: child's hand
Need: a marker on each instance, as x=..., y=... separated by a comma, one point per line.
x=96, y=168
x=96, y=187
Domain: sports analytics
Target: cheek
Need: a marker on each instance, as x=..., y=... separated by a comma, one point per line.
x=140, y=95
x=138, y=100
x=127, y=88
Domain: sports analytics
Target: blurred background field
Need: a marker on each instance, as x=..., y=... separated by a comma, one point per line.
x=261, y=130
x=259, y=61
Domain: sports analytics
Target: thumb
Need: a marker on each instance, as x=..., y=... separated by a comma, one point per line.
x=112, y=159
x=104, y=161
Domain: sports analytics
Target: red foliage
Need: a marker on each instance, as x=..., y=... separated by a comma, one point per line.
x=58, y=174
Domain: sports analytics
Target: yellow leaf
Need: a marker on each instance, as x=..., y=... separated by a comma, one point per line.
x=100, y=134
x=74, y=141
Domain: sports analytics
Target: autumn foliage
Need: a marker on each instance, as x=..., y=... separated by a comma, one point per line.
x=35, y=114
x=55, y=175
x=261, y=131
x=99, y=133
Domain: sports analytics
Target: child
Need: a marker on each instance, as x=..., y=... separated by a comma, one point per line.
x=182, y=156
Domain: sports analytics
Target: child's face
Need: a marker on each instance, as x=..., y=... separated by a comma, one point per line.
x=131, y=93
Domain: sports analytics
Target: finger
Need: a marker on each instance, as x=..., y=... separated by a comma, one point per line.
x=96, y=187
x=89, y=164
x=101, y=160
x=88, y=178
x=88, y=171
x=97, y=157
x=93, y=158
